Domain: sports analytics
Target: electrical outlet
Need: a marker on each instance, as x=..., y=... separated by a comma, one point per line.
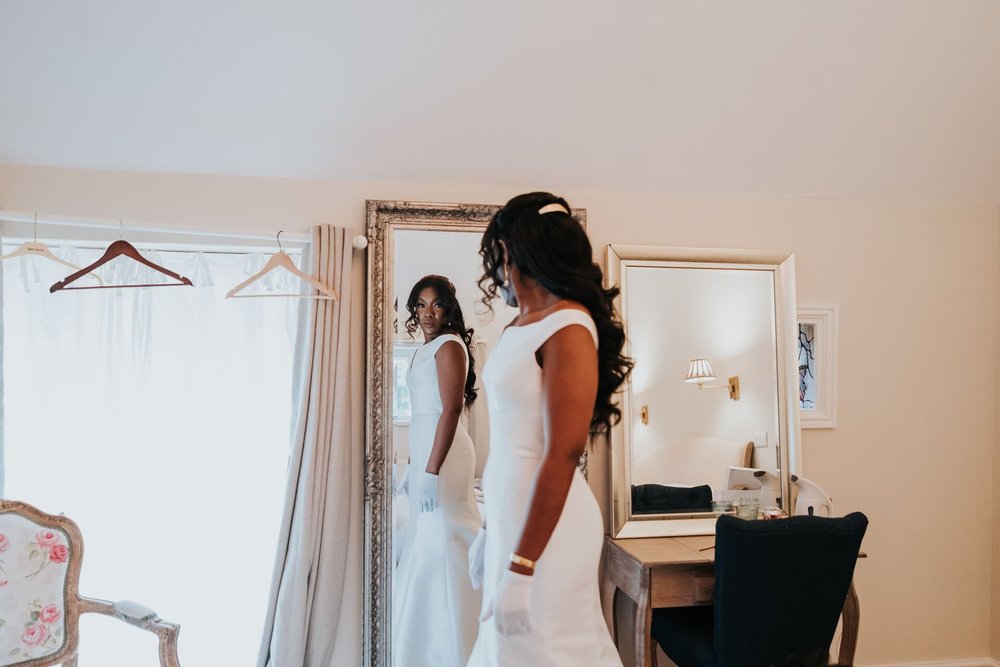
x=759, y=440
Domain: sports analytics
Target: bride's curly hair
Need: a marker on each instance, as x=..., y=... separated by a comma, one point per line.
x=455, y=322
x=553, y=248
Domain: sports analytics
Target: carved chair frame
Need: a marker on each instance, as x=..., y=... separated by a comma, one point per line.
x=74, y=604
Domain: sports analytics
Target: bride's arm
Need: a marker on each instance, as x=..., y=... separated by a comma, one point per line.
x=569, y=389
x=450, y=361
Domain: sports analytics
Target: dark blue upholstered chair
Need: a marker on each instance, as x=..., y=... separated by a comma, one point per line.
x=780, y=586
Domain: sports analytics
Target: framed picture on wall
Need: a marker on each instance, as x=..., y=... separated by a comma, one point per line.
x=817, y=348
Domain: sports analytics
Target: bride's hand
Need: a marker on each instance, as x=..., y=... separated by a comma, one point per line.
x=477, y=559
x=428, y=495
x=511, y=604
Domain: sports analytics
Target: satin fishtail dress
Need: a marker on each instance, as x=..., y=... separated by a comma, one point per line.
x=434, y=608
x=567, y=625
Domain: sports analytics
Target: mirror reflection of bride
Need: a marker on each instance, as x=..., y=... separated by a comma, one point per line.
x=434, y=607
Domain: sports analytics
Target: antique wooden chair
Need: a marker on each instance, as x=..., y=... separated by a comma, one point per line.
x=40, y=606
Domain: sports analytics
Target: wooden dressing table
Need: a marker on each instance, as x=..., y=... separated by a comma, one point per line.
x=657, y=572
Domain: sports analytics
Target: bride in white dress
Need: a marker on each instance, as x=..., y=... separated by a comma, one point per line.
x=434, y=607
x=548, y=383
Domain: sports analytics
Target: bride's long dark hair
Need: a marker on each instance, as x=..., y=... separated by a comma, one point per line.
x=455, y=322
x=554, y=249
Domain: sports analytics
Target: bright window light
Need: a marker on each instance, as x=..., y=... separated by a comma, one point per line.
x=158, y=420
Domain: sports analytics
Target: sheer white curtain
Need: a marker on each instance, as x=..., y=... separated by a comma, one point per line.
x=159, y=420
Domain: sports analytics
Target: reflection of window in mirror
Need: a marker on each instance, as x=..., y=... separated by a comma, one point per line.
x=402, y=356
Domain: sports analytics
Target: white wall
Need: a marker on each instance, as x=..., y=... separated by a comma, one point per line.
x=995, y=639
x=915, y=446
x=916, y=287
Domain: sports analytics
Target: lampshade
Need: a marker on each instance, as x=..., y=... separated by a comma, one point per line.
x=699, y=371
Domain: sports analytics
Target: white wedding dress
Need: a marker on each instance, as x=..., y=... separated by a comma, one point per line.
x=434, y=608
x=567, y=625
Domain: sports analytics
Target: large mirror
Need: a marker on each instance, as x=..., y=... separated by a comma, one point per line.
x=710, y=419
x=407, y=242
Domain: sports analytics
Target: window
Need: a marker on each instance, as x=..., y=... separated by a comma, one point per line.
x=402, y=357
x=158, y=420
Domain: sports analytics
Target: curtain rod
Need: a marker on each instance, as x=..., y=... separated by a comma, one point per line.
x=143, y=247
x=104, y=223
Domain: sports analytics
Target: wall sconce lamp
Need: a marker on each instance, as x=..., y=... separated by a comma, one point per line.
x=643, y=414
x=700, y=371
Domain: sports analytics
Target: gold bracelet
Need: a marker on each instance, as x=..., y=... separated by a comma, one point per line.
x=522, y=561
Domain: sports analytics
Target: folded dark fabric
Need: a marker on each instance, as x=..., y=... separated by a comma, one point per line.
x=653, y=498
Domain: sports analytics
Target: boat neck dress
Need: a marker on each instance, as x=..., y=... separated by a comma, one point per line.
x=567, y=625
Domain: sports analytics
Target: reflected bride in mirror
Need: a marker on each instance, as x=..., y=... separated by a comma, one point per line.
x=434, y=604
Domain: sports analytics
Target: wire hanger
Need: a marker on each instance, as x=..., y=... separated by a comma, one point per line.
x=36, y=249
x=116, y=249
x=281, y=259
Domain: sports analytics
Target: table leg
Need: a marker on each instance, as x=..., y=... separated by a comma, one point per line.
x=609, y=592
x=849, y=630
x=613, y=627
x=643, y=624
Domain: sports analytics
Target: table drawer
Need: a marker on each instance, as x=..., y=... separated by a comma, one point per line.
x=682, y=586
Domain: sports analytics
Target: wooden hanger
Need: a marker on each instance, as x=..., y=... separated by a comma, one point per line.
x=116, y=249
x=36, y=249
x=281, y=259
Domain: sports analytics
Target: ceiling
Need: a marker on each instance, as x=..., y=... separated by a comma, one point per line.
x=887, y=99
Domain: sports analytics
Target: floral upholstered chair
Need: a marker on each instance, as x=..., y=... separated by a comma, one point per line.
x=40, y=605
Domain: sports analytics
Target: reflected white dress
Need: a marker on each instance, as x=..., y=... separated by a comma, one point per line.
x=567, y=625
x=434, y=608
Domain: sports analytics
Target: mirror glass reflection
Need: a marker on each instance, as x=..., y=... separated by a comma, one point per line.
x=704, y=391
x=435, y=517
x=712, y=402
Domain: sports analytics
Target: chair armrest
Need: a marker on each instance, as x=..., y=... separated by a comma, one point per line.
x=134, y=613
x=140, y=616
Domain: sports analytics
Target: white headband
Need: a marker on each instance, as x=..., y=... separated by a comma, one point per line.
x=552, y=208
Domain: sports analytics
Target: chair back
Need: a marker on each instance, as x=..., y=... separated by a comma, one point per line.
x=780, y=585
x=40, y=558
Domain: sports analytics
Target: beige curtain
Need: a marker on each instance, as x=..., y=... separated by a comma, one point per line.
x=307, y=585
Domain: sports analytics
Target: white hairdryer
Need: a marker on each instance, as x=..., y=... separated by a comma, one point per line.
x=811, y=498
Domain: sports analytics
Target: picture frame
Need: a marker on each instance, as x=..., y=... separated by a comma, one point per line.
x=817, y=353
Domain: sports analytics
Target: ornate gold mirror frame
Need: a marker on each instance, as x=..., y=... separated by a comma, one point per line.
x=384, y=218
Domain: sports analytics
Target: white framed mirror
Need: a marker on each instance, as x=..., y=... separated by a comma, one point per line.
x=710, y=413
